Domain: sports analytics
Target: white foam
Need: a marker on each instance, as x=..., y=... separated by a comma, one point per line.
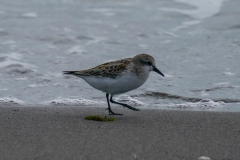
x=166, y=41
x=54, y=74
x=95, y=40
x=75, y=50
x=169, y=34
x=9, y=42
x=144, y=46
x=187, y=24
x=14, y=56
x=204, y=94
x=36, y=85
x=9, y=101
x=29, y=15
x=226, y=85
x=101, y=10
x=8, y=63
x=67, y=29
x=129, y=100
x=67, y=101
x=50, y=46
x=203, y=8
x=13, y=59
x=203, y=104
x=3, y=89
x=223, y=84
x=104, y=11
x=228, y=73
x=22, y=79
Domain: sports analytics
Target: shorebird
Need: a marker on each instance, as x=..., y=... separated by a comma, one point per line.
x=119, y=76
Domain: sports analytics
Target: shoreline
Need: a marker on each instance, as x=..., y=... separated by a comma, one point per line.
x=63, y=133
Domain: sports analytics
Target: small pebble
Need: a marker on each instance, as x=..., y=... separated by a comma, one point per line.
x=204, y=158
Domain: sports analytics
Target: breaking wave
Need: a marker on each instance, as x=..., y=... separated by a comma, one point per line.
x=187, y=99
x=203, y=104
x=11, y=101
x=67, y=101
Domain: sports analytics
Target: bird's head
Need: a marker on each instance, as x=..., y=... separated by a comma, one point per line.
x=148, y=62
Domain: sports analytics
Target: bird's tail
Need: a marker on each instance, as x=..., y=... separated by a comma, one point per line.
x=69, y=72
x=75, y=73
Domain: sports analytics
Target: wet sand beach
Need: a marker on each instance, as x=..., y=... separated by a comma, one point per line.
x=61, y=132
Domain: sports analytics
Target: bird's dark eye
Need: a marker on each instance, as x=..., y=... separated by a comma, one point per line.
x=149, y=63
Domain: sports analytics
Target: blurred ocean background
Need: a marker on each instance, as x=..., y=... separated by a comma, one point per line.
x=196, y=44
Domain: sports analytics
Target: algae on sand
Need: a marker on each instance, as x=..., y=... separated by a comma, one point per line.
x=99, y=118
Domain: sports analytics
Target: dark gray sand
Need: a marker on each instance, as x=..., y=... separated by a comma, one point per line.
x=63, y=133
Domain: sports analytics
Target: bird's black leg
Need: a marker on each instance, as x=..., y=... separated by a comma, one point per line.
x=124, y=105
x=109, y=108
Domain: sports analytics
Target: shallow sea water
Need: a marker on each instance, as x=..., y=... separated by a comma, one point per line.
x=195, y=44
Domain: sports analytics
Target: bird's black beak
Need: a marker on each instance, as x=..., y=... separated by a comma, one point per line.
x=157, y=70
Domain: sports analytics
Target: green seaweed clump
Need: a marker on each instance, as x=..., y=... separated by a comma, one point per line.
x=99, y=118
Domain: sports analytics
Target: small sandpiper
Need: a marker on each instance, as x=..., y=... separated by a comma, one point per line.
x=118, y=77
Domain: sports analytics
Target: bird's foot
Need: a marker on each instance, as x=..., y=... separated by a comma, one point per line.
x=112, y=113
x=129, y=107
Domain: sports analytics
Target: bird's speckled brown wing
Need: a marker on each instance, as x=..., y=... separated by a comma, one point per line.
x=109, y=69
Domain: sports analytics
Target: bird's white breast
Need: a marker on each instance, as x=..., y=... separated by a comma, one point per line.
x=120, y=84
